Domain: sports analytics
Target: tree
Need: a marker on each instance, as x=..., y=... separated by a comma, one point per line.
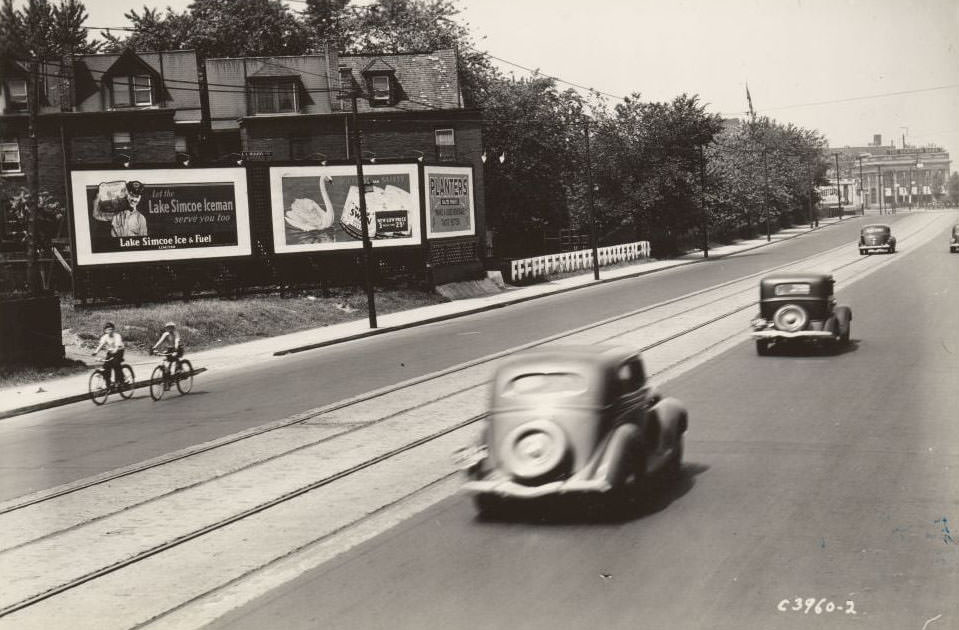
x=154, y=31
x=649, y=180
x=535, y=127
x=45, y=31
x=218, y=28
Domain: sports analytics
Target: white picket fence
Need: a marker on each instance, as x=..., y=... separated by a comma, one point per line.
x=540, y=266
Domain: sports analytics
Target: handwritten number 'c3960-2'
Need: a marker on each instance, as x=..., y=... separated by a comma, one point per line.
x=817, y=606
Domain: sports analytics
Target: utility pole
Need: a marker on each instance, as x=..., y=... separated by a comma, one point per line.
x=862, y=200
x=769, y=235
x=589, y=197
x=33, y=267
x=838, y=191
x=882, y=191
x=702, y=200
x=361, y=187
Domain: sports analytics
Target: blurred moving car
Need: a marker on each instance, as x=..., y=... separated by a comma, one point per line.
x=799, y=307
x=876, y=238
x=573, y=420
x=954, y=241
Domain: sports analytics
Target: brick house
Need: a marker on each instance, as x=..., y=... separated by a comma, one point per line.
x=410, y=108
x=106, y=110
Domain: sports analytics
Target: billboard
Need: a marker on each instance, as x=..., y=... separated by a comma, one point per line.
x=317, y=208
x=143, y=215
x=450, y=202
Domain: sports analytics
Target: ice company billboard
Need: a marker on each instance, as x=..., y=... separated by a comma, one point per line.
x=450, y=205
x=143, y=215
x=317, y=208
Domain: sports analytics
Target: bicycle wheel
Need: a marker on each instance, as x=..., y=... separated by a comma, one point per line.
x=127, y=389
x=157, y=382
x=99, y=392
x=184, y=378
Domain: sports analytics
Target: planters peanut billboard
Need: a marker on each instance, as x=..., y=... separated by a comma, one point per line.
x=123, y=216
x=450, y=208
x=317, y=208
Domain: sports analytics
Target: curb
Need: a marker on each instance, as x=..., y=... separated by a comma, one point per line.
x=66, y=400
x=489, y=307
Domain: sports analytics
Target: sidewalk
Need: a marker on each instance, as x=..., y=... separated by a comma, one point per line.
x=22, y=399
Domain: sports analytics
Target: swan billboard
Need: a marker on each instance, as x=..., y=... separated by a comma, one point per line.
x=450, y=208
x=316, y=208
x=145, y=215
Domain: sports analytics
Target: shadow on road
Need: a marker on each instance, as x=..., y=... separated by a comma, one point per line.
x=813, y=349
x=655, y=495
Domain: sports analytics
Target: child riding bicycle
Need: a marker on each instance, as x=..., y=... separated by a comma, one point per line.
x=113, y=344
x=172, y=347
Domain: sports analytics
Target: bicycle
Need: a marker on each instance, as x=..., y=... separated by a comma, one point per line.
x=161, y=380
x=100, y=391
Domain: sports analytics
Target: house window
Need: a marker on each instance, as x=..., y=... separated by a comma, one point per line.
x=445, y=145
x=17, y=90
x=382, y=94
x=275, y=97
x=132, y=91
x=9, y=157
x=122, y=143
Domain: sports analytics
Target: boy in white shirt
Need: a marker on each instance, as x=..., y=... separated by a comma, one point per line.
x=113, y=344
x=172, y=346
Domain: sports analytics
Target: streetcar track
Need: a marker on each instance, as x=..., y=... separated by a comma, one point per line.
x=313, y=413
x=212, y=527
x=332, y=478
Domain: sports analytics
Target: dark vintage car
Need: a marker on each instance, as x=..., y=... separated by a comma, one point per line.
x=954, y=241
x=573, y=421
x=799, y=307
x=876, y=238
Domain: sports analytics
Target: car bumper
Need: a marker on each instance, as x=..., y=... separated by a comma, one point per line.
x=874, y=248
x=511, y=489
x=799, y=334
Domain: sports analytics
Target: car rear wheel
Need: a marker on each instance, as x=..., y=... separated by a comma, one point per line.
x=762, y=347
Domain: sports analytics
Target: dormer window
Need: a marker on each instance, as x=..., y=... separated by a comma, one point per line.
x=133, y=91
x=275, y=96
x=382, y=90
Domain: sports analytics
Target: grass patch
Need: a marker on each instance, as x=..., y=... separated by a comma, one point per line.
x=210, y=323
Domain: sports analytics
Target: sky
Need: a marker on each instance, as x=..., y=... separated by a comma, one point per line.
x=847, y=68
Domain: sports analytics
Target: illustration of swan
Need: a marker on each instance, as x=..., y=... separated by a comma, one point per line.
x=307, y=215
x=387, y=212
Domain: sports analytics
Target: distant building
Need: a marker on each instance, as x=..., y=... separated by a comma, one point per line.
x=901, y=177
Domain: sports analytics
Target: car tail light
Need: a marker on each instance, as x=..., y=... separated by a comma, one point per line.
x=790, y=318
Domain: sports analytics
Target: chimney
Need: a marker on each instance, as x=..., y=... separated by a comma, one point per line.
x=877, y=139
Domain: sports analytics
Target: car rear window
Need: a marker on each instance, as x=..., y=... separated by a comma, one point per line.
x=793, y=288
x=535, y=384
x=875, y=230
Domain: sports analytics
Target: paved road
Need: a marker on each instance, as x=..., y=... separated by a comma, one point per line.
x=52, y=447
x=831, y=478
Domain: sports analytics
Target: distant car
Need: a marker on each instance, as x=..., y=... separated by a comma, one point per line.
x=573, y=421
x=799, y=307
x=954, y=242
x=876, y=238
